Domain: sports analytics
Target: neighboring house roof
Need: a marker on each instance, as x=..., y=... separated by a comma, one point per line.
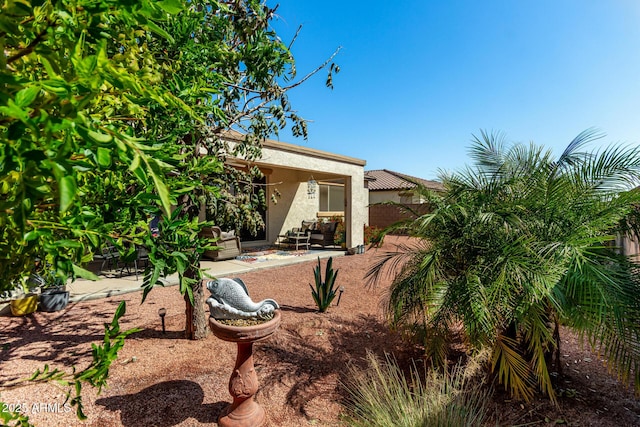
x=385, y=180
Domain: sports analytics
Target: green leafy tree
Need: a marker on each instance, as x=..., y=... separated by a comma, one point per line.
x=61, y=82
x=229, y=66
x=518, y=245
x=113, y=113
x=61, y=79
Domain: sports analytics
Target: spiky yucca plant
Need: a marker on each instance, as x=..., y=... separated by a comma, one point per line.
x=519, y=245
x=324, y=291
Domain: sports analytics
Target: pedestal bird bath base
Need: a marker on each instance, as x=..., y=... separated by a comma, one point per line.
x=243, y=384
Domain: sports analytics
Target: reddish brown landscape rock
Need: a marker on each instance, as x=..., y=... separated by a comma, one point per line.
x=164, y=380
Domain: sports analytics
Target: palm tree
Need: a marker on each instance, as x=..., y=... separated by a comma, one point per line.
x=518, y=245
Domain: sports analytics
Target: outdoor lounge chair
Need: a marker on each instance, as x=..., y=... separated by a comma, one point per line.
x=139, y=258
x=324, y=235
x=229, y=243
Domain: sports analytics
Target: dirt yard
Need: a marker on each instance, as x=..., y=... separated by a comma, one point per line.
x=164, y=380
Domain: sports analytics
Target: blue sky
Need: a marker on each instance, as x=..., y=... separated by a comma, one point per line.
x=419, y=78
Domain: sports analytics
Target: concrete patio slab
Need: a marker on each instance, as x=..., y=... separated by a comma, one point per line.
x=83, y=290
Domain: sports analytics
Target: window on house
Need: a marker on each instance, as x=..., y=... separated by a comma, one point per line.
x=331, y=197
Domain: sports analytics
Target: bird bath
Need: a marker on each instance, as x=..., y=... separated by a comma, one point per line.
x=230, y=300
x=243, y=384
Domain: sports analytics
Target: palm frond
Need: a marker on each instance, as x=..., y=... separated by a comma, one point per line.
x=415, y=289
x=488, y=151
x=571, y=156
x=612, y=169
x=511, y=369
x=538, y=334
x=389, y=264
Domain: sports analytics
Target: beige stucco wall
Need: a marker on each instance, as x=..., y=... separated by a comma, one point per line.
x=383, y=196
x=391, y=196
x=361, y=209
x=293, y=206
x=629, y=246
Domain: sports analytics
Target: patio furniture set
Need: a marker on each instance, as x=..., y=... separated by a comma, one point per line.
x=311, y=233
x=111, y=258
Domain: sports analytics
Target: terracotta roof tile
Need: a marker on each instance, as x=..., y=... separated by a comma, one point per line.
x=383, y=179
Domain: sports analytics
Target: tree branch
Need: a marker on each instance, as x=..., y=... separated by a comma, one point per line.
x=27, y=50
x=286, y=88
x=309, y=75
x=295, y=36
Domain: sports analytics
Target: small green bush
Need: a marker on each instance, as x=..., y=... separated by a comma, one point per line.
x=324, y=292
x=381, y=396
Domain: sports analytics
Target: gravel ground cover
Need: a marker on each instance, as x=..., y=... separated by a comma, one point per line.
x=164, y=380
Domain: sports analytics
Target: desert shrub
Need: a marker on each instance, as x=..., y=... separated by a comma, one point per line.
x=382, y=396
x=324, y=291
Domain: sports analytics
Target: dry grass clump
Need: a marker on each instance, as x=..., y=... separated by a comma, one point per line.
x=381, y=395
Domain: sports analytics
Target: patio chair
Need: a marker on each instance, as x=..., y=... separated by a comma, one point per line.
x=109, y=256
x=298, y=237
x=324, y=234
x=295, y=238
x=229, y=243
x=138, y=258
x=309, y=225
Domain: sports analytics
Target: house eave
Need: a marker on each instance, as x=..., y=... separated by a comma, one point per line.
x=298, y=149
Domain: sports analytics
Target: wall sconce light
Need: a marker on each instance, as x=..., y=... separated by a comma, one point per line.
x=312, y=186
x=162, y=312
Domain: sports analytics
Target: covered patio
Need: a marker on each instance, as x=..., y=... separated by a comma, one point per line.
x=313, y=185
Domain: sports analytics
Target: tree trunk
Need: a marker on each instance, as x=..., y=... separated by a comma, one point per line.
x=196, y=316
x=556, y=337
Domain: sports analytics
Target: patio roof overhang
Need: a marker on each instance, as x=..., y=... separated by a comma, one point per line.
x=276, y=154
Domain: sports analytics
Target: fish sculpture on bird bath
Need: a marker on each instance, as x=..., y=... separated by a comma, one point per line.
x=230, y=300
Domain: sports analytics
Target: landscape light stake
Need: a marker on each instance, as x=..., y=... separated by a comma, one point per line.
x=162, y=312
x=340, y=295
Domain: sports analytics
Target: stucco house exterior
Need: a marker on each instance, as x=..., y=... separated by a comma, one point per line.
x=294, y=170
x=388, y=186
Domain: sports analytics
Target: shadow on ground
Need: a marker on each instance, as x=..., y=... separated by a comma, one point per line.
x=180, y=400
x=54, y=338
x=306, y=355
